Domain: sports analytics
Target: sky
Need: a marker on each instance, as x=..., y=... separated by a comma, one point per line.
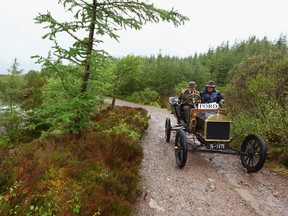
x=212, y=22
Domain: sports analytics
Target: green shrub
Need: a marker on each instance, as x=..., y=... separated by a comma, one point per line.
x=148, y=96
x=257, y=96
x=11, y=126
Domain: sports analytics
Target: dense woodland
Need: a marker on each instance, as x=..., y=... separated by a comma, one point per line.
x=65, y=151
x=252, y=75
x=62, y=150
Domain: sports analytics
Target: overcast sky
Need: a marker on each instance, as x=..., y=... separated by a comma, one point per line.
x=211, y=23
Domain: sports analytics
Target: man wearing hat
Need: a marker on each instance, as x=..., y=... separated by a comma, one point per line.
x=188, y=97
x=210, y=94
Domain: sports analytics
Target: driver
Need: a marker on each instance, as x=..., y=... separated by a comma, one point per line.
x=211, y=95
x=188, y=97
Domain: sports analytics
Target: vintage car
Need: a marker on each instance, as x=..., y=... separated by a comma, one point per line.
x=209, y=128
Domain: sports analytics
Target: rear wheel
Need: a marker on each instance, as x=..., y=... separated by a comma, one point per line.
x=181, y=148
x=168, y=129
x=253, y=151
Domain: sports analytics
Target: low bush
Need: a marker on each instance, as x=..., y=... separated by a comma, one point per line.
x=257, y=96
x=95, y=174
x=147, y=97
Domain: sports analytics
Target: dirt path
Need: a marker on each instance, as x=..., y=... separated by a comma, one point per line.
x=209, y=184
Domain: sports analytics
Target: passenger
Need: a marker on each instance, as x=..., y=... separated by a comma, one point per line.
x=188, y=97
x=210, y=94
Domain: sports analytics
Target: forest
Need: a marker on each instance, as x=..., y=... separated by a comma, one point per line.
x=252, y=75
x=50, y=161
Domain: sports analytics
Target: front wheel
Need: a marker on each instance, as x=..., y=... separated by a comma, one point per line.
x=253, y=153
x=181, y=148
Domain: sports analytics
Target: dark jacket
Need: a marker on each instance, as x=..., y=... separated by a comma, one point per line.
x=210, y=97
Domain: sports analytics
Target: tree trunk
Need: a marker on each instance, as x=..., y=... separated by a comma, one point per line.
x=114, y=93
x=85, y=77
x=113, y=102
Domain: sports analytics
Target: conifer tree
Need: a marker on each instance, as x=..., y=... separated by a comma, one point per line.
x=98, y=18
x=11, y=121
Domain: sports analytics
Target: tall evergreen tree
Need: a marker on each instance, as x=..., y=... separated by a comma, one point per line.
x=11, y=121
x=11, y=85
x=98, y=18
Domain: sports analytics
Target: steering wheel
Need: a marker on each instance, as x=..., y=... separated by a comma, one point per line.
x=194, y=98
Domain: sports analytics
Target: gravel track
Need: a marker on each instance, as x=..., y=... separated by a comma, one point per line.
x=209, y=184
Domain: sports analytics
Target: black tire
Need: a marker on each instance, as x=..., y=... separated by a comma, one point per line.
x=181, y=148
x=253, y=153
x=168, y=129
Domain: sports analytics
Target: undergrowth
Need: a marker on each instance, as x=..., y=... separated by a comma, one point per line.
x=95, y=174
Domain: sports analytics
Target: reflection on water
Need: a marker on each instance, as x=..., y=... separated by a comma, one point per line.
x=6, y=108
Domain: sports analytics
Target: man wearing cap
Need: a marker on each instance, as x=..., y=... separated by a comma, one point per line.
x=210, y=94
x=188, y=97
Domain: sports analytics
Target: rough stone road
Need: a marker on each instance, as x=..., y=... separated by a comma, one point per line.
x=210, y=184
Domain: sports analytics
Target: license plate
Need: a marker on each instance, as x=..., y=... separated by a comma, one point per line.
x=217, y=146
